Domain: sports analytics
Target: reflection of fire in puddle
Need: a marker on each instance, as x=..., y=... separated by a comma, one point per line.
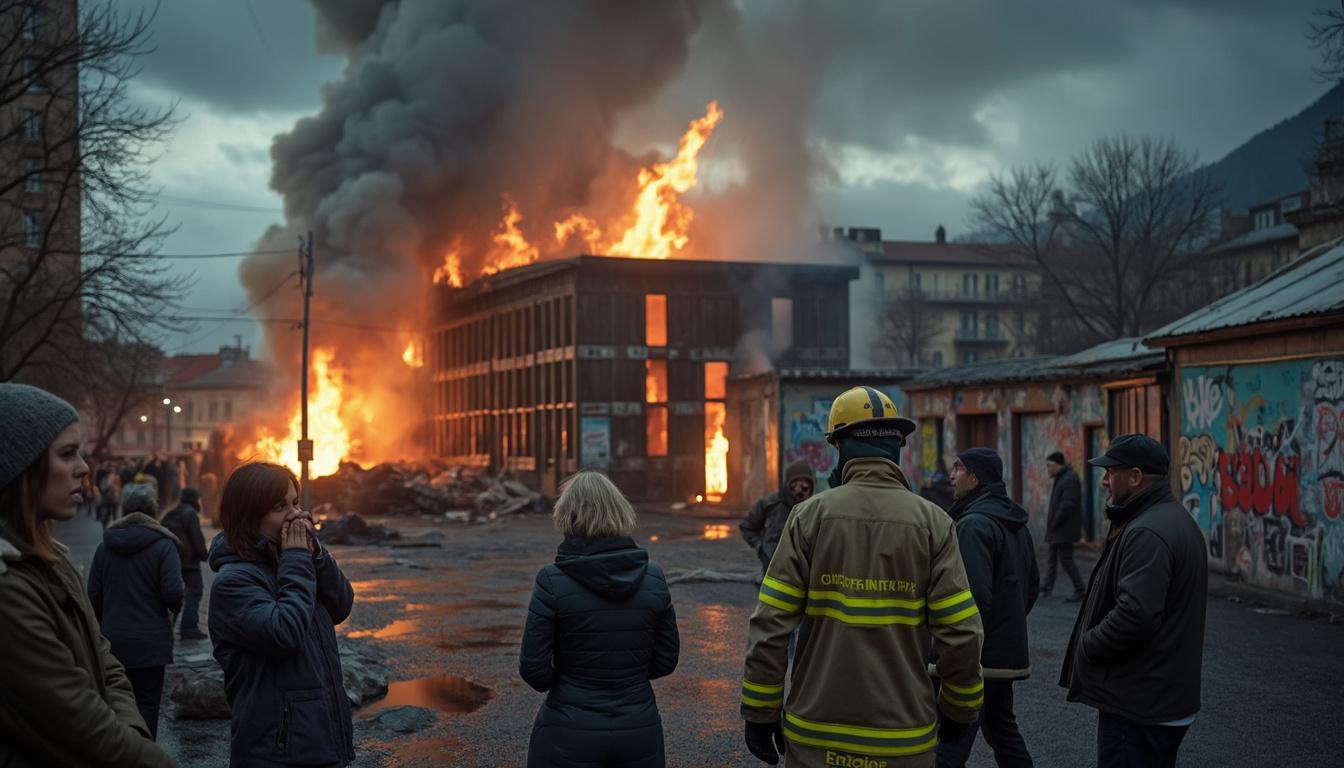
x=446, y=693
x=714, y=531
x=397, y=629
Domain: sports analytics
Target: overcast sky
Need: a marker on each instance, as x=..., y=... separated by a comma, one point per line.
x=915, y=102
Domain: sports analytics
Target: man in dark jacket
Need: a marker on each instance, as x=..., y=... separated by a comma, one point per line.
x=939, y=488
x=1064, y=524
x=135, y=587
x=184, y=521
x=1137, y=647
x=765, y=521
x=1001, y=568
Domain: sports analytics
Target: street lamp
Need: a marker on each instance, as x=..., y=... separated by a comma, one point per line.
x=168, y=423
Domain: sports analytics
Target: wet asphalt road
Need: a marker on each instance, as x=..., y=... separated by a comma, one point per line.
x=1273, y=684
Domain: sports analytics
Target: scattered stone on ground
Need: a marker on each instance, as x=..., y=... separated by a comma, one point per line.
x=405, y=718
x=351, y=529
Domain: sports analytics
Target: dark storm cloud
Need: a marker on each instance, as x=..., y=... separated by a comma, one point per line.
x=241, y=55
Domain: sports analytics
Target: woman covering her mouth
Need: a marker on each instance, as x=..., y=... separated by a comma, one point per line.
x=65, y=700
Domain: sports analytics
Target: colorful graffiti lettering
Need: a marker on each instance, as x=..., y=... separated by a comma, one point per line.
x=1203, y=401
x=1199, y=457
x=1247, y=481
x=1262, y=470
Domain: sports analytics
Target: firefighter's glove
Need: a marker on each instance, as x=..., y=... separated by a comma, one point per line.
x=766, y=741
x=950, y=730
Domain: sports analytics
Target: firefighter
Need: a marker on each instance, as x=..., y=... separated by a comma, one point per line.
x=873, y=572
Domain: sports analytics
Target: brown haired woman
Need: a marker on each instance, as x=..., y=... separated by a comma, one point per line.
x=64, y=699
x=274, y=606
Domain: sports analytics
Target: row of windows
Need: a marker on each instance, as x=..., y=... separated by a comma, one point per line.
x=970, y=283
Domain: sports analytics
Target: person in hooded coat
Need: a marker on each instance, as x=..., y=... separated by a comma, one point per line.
x=599, y=628
x=65, y=701
x=765, y=520
x=1000, y=559
x=135, y=586
x=277, y=597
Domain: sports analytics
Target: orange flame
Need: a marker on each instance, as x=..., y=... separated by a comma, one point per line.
x=451, y=271
x=717, y=531
x=331, y=439
x=414, y=354
x=716, y=452
x=661, y=221
x=511, y=247
x=578, y=224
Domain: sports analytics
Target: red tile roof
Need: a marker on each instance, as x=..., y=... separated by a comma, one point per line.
x=180, y=369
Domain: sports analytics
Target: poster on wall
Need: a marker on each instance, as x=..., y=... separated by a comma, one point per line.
x=595, y=443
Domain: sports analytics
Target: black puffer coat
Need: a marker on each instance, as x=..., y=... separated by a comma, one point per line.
x=1000, y=560
x=600, y=627
x=135, y=585
x=273, y=627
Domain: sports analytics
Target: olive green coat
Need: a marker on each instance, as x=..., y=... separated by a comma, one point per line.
x=64, y=699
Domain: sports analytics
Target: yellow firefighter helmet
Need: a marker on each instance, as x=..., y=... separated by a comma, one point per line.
x=866, y=412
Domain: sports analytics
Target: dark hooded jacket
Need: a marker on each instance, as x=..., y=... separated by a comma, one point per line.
x=184, y=521
x=1064, y=524
x=599, y=628
x=1137, y=648
x=273, y=626
x=65, y=700
x=765, y=520
x=1000, y=560
x=135, y=586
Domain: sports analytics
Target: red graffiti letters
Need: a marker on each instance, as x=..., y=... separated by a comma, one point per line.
x=1248, y=481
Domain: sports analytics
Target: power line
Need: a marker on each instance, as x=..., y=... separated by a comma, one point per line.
x=175, y=256
x=192, y=202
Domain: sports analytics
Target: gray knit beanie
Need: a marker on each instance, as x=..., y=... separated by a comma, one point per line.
x=140, y=497
x=30, y=419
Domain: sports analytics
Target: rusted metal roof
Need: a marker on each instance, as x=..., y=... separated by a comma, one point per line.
x=1312, y=285
x=1120, y=357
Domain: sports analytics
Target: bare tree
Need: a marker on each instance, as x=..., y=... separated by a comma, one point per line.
x=121, y=378
x=1326, y=34
x=76, y=234
x=907, y=326
x=1129, y=224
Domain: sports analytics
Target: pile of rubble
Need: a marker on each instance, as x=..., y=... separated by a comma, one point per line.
x=403, y=488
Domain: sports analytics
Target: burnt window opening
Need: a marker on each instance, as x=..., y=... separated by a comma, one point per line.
x=781, y=324
x=655, y=381
x=655, y=430
x=655, y=320
x=716, y=381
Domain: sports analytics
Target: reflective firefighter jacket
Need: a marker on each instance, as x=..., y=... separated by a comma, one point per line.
x=872, y=571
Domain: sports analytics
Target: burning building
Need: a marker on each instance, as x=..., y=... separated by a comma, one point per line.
x=621, y=364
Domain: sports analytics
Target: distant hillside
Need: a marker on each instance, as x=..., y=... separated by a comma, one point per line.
x=1276, y=161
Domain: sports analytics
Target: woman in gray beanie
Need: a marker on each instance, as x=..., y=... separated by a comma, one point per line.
x=65, y=700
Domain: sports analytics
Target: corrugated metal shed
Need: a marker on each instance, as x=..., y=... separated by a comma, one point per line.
x=1312, y=285
x=1110, y=358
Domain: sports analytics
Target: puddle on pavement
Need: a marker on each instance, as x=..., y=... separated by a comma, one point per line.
x=397, y=629
x=445, y=693
x=475, y=638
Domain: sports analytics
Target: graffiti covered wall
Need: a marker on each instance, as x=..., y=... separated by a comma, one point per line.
x=1262, y=470
x=806, y=410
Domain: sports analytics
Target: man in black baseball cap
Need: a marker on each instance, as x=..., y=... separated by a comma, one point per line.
x=1137, y=647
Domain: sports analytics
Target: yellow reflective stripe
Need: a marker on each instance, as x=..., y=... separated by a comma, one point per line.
x=862, y=750
x=858, y=739
x=938, y=605
x=955, y=617
x=757, y=687
x=782, y=587
x=751, y=701
x=966, y=703
x=966, y=689
x=848, y=618
x=858, y=730
x=780, y=604
x=863, y=602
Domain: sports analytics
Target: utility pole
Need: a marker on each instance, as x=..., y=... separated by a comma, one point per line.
x=305, y=444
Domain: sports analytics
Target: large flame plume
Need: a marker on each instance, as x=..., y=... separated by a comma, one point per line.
x=332, y=441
